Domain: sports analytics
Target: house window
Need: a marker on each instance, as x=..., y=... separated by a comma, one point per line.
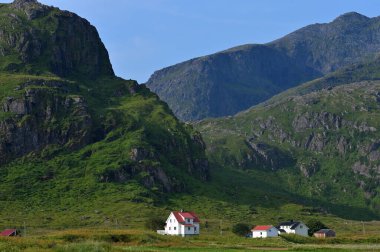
x=261, y=233
x=195, y=228
x=175, y=228
x=188, y=228
x=170, y=228
x=301, y=226
x=270, y=230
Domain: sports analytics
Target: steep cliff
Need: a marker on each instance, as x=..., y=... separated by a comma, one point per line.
x=71, y=131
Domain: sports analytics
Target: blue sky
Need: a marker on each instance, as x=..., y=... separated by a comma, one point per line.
x=146, y=35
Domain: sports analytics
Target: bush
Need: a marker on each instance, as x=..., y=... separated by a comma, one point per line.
x=241, y=229
x=155, y=223
x=314, y=226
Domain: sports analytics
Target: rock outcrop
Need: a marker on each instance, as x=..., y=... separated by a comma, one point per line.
x=60, y=42
x=61, y=101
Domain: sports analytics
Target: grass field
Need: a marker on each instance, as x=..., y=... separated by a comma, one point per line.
x=139, y=240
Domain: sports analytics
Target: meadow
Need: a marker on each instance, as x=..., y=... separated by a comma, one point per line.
x=106, y=239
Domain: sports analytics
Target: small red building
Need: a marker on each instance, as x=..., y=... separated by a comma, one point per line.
x=9, y=232
x=325, y=233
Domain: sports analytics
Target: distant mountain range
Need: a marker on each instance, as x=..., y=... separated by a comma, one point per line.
x=233, y=80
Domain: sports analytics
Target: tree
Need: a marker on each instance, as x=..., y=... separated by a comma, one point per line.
x=155, y=223
x=315, y=225
x=240, y=229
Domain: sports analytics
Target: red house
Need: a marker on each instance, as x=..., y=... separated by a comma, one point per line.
x=9, y=232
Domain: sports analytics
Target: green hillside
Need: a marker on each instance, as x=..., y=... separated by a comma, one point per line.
x=321, y=146
x=75, y=140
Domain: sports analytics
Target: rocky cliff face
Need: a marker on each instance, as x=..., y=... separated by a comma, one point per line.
x=236, y=79
x=39, y=39
x=61, y=107
x=42, y=116
x=323, y=143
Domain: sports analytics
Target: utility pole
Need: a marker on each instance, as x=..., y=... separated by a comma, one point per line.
x=363, y=228
x=24, y=229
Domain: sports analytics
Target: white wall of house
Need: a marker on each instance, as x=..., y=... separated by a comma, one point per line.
x=301, y=229
x=172, y=226
x=272, y=232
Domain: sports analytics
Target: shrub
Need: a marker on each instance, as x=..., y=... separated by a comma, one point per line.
x=314, y=225
x=240, y=229
x=155, y=223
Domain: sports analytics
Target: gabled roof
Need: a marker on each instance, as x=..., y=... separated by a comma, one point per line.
x=291, y=224
x=324, y=231
x=181, y=216
x=261, y=228
x=8, y=232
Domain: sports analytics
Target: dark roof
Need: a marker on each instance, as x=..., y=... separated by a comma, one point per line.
x=324, y=231
x=281, y=230
x=295, y=225
x=292, y=224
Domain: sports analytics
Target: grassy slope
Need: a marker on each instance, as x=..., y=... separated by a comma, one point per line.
x=75, y=190
x=226, y=146
x=366, y=71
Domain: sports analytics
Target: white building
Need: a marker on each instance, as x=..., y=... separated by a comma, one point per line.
x=264, y=232
x=293, y=227
x=181, y=223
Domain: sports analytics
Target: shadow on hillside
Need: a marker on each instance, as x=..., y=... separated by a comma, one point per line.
x=237, y=187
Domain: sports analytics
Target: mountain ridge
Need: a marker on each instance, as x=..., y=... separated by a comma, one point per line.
x=314, y=50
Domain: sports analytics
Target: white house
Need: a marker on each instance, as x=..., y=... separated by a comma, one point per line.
x=264, y=232
x=181, y=223
x=293, y=227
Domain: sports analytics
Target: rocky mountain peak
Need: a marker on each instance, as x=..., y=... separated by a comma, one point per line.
x=60, y=42
x=23, y=3
x=351, y=17
x=32, y=8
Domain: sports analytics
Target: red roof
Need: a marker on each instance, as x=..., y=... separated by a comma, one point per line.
x=8, y=232
x=187, y=215
x=180, y=216
x=261, y=228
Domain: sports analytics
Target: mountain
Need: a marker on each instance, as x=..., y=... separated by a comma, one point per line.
x=319, y=141
x=72, y=134
x=233, y=80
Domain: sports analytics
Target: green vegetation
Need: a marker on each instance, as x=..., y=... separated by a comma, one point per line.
x=298, y=148
x=155, y=223
x=241, y=229
x=133, y=240
x=315, y=225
